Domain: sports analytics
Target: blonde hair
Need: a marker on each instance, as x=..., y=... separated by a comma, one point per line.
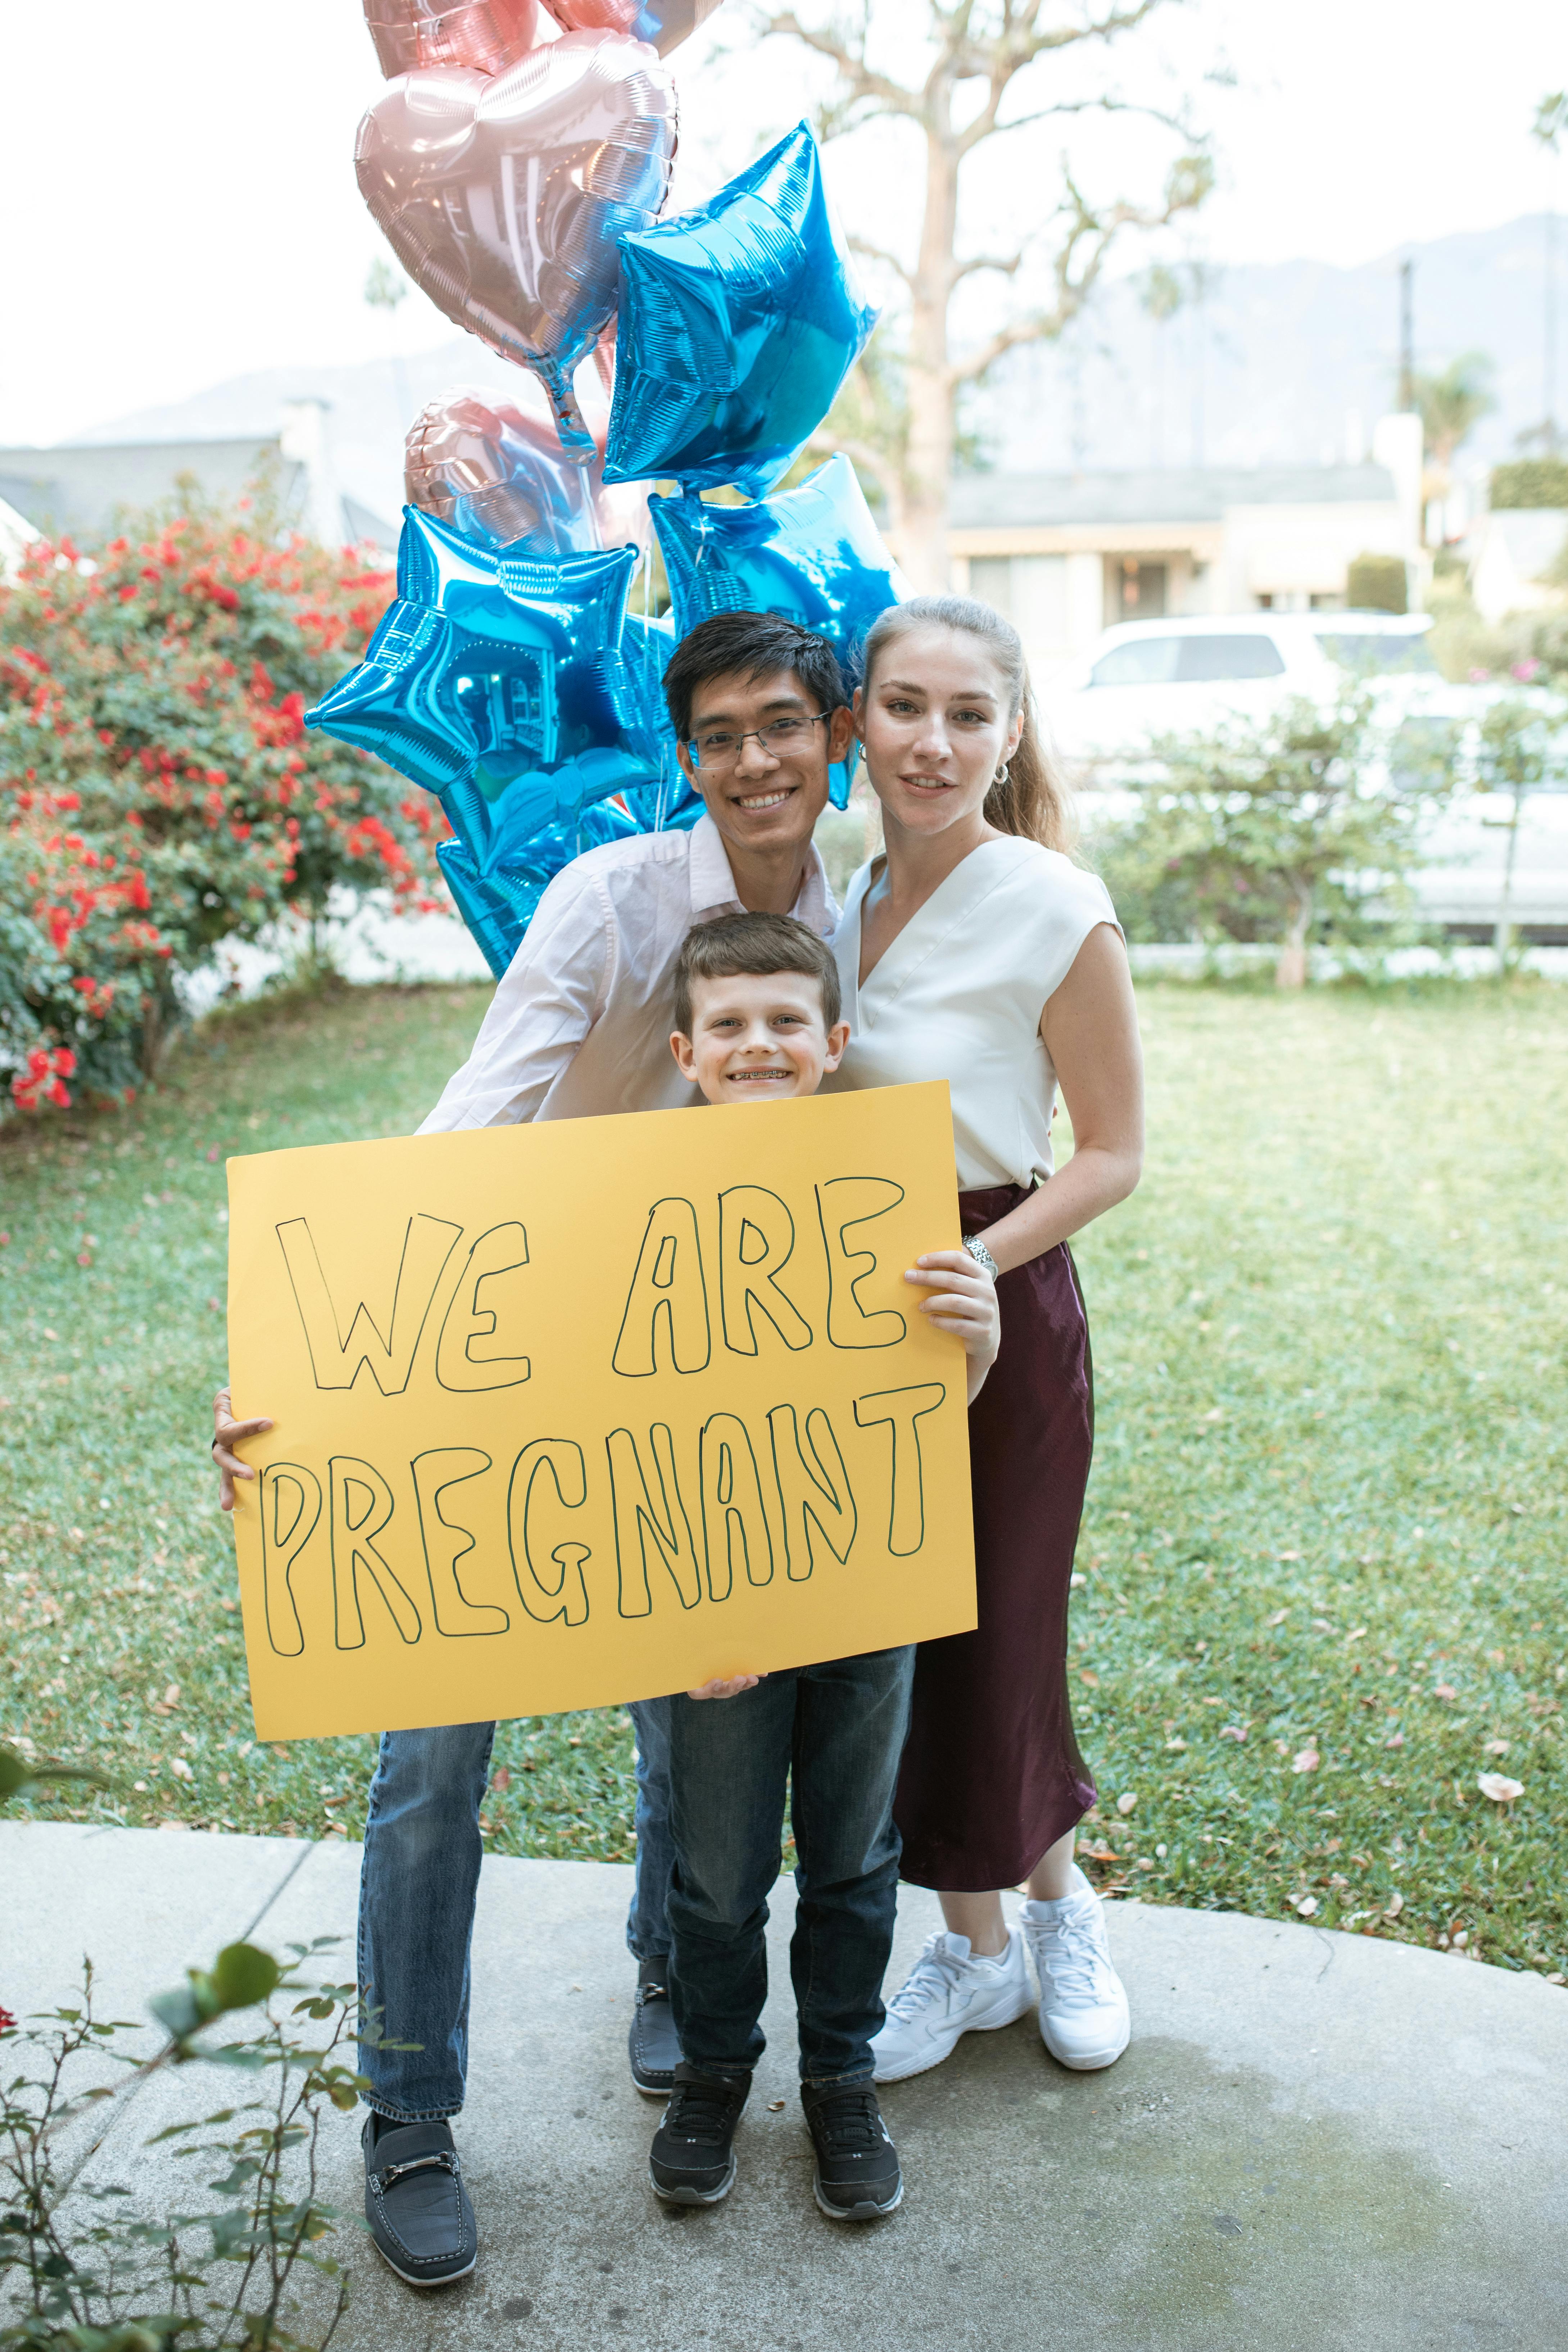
x=1032, y=801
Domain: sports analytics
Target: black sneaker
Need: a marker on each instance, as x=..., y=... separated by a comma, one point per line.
x=416, y=2202
x=692, y=2162
x=653, y=2041
x=857, y=2175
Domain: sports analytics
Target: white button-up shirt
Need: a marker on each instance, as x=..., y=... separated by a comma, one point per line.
x=580, y=1023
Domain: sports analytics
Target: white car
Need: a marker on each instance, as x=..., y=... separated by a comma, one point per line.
x=1144, y=679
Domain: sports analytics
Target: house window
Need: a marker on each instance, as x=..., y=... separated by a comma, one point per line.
x=990, y=582
x=1140, y=589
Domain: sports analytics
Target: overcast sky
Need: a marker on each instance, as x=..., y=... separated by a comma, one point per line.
x=178, y=186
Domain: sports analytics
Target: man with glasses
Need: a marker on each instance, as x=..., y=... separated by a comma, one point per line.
x=579, y=1026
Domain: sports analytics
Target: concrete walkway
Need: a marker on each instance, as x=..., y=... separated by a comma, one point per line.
x=1316, y=2141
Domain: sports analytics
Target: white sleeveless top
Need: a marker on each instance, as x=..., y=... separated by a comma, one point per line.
x=960, y=994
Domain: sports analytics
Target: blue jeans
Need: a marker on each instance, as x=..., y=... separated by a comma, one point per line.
x=417, y=1884
x=836, y=1732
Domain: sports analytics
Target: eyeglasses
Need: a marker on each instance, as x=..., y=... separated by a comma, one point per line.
x=784, y=739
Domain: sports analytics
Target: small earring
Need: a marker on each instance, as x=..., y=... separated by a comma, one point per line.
x=1001, y=776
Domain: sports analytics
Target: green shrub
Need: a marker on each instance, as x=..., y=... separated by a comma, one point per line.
x=1530, y=482
x=1377, y=584
x=1302, y=828
x=158, y=791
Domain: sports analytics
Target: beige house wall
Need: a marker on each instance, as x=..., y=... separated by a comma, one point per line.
x=1062, y=580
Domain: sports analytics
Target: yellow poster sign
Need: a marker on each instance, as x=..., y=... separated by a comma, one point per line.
x=590, y=1411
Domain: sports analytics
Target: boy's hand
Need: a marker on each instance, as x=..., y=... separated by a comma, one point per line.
x=727, y=1686
x=963, y=1300
x=228, y=1433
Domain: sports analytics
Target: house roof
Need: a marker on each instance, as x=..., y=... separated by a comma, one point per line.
x=80, y=486
x=1181, y=494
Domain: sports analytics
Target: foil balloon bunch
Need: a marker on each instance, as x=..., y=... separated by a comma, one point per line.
x=520, y=182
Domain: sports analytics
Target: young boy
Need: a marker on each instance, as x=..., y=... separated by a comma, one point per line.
x=757, y=1021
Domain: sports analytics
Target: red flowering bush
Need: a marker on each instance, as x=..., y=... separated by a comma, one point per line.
x=158, y=791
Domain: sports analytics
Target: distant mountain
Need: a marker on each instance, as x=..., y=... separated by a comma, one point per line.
x=1271, y=367
x=1275, y=362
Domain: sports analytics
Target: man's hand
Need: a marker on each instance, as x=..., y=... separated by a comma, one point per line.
x=228, y=1433
x=727, y=1686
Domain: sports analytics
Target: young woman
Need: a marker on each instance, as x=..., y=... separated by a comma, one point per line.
x=975, y=951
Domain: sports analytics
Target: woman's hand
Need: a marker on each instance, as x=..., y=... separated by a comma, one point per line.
x=727, y=1686
x=228, y=1433
x=963, y=1301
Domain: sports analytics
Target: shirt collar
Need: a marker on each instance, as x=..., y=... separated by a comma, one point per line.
x=713, y=884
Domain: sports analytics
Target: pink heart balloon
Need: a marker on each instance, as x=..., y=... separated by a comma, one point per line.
x=486, y=35
x=504, y=196
x=495, y=471
x=665, y=23
x=497, y=475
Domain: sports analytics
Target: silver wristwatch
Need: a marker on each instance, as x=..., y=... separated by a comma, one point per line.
x=981, y=1257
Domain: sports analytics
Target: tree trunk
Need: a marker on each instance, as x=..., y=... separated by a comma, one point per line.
x=1291, y=972
x=1502, y=937
x=929, y=462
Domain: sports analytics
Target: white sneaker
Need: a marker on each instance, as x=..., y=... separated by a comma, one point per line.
x=949, y=1992
x=1084, y=2019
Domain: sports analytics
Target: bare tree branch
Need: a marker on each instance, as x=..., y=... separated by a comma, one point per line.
x=864, y=247
x=1008, y=267
x=890, y=97
x=1091, y=234
x=1182, y=127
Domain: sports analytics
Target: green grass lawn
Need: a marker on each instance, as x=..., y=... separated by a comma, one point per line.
x=1322, y=1562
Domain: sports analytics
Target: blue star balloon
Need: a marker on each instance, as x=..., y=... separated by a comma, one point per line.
x=518, y=689
x=499, y=680
x=813, y=554
x=497, y=897
x=736, y=326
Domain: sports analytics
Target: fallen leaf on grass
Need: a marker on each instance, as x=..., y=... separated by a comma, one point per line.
x=500, y=1779
x=1445, y=1692
x=1496, y=1748
x=1395, y=1739
x=1393, y=1907
x=1124, y=1804
x=1175, y=1743
x=1279, y=1617
x=1500, y=1788
x=1086, y=1676
x=1232, y=1731
x=1100, y=1854
x=1306, y=1760
x=1306, y=1904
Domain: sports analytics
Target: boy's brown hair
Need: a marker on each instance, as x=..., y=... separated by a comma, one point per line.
x=740, y=947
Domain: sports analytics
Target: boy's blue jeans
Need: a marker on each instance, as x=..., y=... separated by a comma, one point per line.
x=836, y=1732
x=417, y=1884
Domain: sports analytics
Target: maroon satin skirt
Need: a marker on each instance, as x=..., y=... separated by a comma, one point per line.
x=990, y=1773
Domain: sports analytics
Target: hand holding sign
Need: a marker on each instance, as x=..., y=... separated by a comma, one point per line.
x=593, y=1409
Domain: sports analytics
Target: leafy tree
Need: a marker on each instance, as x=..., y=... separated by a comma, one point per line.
x=1530, y=482
x=1522, y=748
x=1452, y=403
x=159, y=793
x=1302, y=828
x=1003, y=54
